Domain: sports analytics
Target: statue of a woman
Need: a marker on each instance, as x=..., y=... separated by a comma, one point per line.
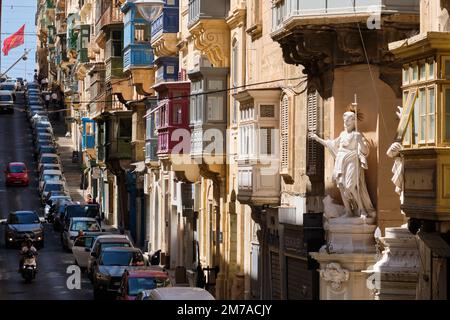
x=350, y=151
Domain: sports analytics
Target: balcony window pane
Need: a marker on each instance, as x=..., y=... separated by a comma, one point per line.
x=415, y=123
x=415, y=74
x=266, y=141
x=422, y=71
x=405, y=75
x=431, y=115
x=447, y=69
x=124, y=128
x=141, y=32
x=431, y=70
x=215, y=108
x=447, y=114
x=422, y=114
x=177, y=114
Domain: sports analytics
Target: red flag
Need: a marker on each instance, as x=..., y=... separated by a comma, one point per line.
x=13, y=41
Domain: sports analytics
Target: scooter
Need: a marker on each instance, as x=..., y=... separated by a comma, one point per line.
x=29, y=267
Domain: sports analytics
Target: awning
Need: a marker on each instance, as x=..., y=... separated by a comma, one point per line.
x=140, y=167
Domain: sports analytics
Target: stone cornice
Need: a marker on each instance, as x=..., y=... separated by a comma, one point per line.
x=237, y=18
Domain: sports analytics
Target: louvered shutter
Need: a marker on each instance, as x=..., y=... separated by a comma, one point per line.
x=313, y=127
x=284, y=134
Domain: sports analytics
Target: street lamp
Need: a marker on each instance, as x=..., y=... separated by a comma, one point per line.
x=149, y=9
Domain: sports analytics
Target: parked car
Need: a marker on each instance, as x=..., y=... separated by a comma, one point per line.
x=16, y=173
x=45, y=137
x=51, y=186
x=52, y=205
x=81, y=211
x=175, y=293
x=137, y=280
x=49, y=175
x=109, y=268
x=82, y=248
x=74, y=226
x=9, y=85
x=21, y=224
x=46, y=148
x=102, y=242
x=48, y=158
x=57, y=210
x=6, y=101
x=51, y=166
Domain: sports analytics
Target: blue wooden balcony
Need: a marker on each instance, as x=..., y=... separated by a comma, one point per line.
x=166, y=69
x=167, y=22
x=138, y=56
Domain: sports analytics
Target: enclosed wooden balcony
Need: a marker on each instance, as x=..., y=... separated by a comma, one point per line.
x=164, y=30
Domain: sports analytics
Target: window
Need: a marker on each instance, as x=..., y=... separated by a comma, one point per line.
x=431, y=115
x=177, y=114
x=422, y=71
x=235, y=75
x=124, y=128
x=415, y=123
x=215, y=108
x=447, y=114
x=447, y=68
x=409, y=99
x=141, y=32
x=431, y=69
x=415, y=72
x=284, y=131
x=405, y=75
x=266, y=142
x=422, y=114
x=313, y=127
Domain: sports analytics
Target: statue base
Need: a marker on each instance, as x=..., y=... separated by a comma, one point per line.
x=341, y=276
x=350, y=235
x=395, y=275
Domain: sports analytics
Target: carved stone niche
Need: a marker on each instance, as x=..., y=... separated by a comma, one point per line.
x=321, y=49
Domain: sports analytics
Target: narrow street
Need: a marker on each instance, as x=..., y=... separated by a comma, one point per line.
x=50, y=284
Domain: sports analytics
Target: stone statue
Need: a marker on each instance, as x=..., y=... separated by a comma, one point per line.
x=350, y=151
x=397, y=169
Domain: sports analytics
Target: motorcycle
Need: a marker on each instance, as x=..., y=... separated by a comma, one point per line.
x=29, y=266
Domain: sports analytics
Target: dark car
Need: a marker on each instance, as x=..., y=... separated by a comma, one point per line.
x=80, y=211
x=21, y=224
x=110, y=267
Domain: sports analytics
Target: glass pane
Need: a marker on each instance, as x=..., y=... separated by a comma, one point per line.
x=431, y=116
x=431, y=70
x=447, y=100
x=405, y=76
x=447, y=69
x=415, y=73
x=447, y=127
x=415, y=123
x=422, y=71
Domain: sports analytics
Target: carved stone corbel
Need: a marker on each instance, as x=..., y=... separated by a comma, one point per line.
x=335, y=274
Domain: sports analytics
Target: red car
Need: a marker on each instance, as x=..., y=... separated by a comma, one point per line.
x=16, y=173
x=140, y=279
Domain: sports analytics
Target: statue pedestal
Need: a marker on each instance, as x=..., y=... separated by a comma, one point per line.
x=350, y=235
x=395, y=275
x=350, y=249
x=341, y=277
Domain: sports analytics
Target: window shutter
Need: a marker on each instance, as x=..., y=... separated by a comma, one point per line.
x=313, y=127
x=267, y=111
x=284, y=134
